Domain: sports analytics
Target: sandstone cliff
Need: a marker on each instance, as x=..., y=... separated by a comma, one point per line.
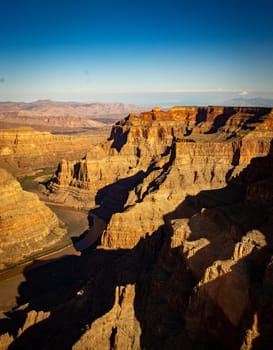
x=160, y=157
x=24, y=148
x=27, y=226
x=186, y=258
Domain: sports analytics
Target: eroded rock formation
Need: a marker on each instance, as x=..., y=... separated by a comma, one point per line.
x=23, y=149
x=152, y=161
x=27, y=226
x=186, y=258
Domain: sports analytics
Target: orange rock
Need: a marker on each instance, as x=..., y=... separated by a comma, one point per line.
x=20, y=236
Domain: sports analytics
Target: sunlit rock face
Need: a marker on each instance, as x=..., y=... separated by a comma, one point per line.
x=27, y=225
x=185, y=261
x=23, y=149
x=151, y=162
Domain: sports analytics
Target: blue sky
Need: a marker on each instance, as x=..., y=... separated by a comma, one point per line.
x=145, y=52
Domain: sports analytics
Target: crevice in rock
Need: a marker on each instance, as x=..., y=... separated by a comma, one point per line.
x=112, y=338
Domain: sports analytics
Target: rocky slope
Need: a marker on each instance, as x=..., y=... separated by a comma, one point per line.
x=186, y=258
x=27, y=225
x=23, y=149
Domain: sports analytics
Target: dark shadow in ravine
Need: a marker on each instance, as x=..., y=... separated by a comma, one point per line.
x=222, y=311
x=202, y=115
x=256, y=117
x=118, y=136
x=222, y=217
x=112, y=199
x=109, y=200
x=79, y=290
x=221, y=119
x=60, y=287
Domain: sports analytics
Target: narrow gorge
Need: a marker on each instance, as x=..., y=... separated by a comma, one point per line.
x=185, y=258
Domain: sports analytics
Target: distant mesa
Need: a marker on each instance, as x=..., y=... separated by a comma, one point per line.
x=24, y=149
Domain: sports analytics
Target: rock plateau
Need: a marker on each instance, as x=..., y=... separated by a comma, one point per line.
x=23, y=149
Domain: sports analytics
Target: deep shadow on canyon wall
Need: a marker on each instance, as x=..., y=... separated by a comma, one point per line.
x=79, y=290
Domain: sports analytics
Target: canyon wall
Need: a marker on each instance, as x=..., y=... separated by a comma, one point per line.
x=27, y=225
x=159, y=158
x=185, y=260
x=24, y=148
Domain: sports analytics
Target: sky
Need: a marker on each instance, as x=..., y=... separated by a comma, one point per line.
x=145, y=52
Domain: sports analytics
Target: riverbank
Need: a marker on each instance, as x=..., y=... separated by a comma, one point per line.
x=76, y=223
x=11, y=279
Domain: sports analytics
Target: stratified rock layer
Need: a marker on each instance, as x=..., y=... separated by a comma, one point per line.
x=27, y=225
x=185, y=261
x=153, y=161
x=24, y=148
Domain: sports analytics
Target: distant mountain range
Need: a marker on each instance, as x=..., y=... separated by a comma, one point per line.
x=82, y=109
x=55, y=115
x=65, y=115
x=249, y=102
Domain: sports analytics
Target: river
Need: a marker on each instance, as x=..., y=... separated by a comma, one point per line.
x=76, y=223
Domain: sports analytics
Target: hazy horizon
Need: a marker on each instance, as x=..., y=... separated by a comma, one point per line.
x=167, y=99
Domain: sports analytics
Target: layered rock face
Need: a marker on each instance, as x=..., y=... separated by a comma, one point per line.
x=227, y=244
x=25, y=148
x=185, y=261
x=27, y=226
x=152, y=161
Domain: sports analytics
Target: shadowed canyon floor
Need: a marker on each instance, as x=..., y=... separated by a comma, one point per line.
x=185, y=258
